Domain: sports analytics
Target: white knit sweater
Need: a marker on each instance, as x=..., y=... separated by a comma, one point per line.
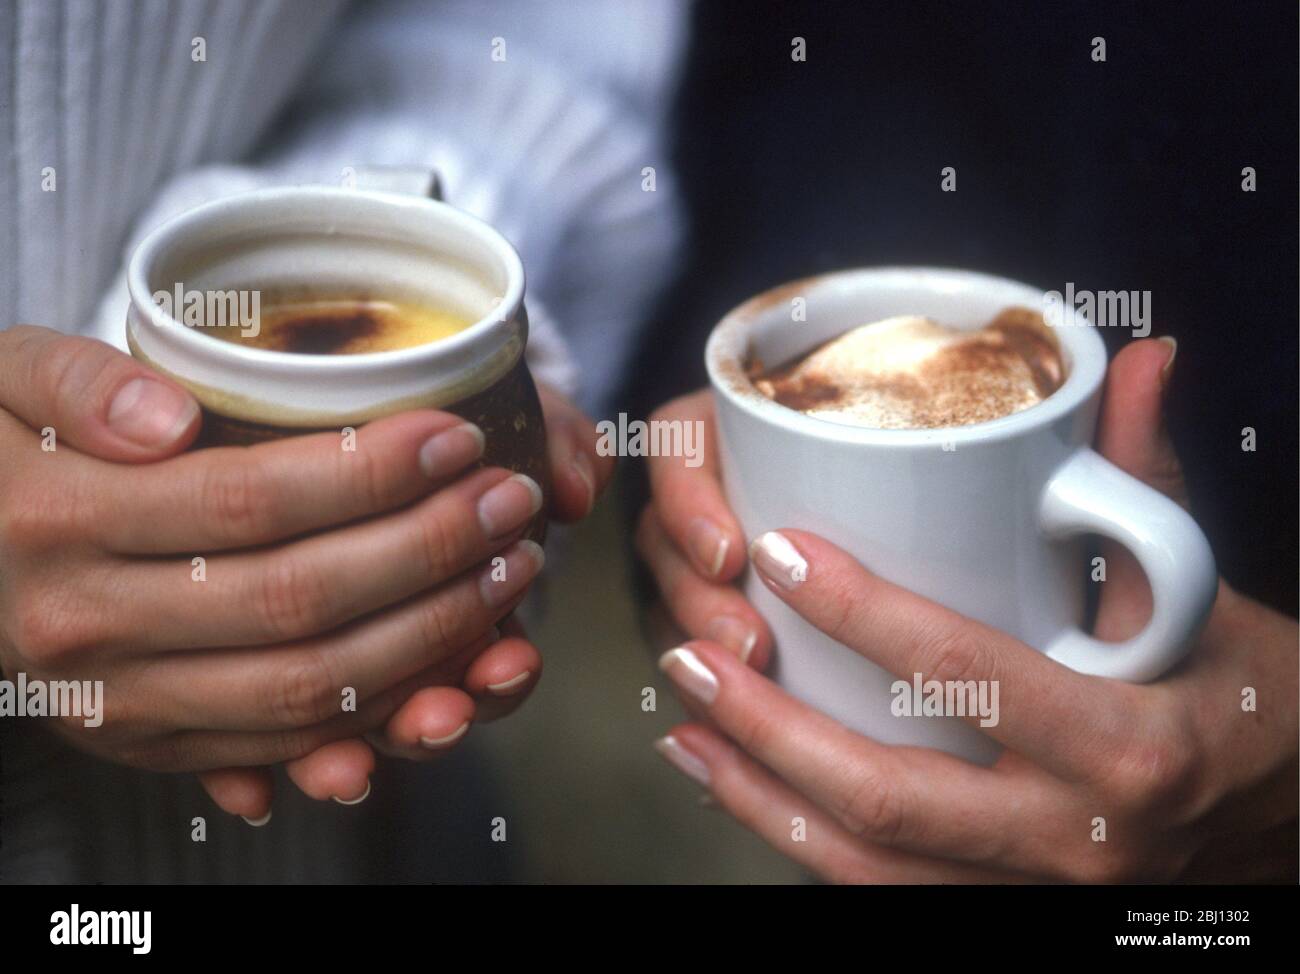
x=541, y=118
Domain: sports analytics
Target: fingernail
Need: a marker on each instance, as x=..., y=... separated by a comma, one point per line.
x=689, y=672
x=509, y=686
x=502, y=581
x=1168, y=368
x=508, y=505
x=582, y=467
x=450, y=450
x=257, y=823
x=708, y=543
x=733, y=634
x=778, y=560
x=683, y=760
x=355, y=801
x=151, y=413
x=441, y=743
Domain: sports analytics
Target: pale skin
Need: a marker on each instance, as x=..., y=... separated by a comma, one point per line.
x=324, y=569
x=1191, y=785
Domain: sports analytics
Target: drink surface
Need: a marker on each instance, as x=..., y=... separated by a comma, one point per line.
x=910, y=372
x=344, y=326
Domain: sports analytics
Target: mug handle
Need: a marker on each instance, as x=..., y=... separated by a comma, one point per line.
x=1090, y=494
x=411, y=180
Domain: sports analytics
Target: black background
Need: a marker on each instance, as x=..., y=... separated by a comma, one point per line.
x=1122, y=175
x=914, y=925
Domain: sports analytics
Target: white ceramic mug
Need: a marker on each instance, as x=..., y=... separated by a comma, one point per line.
x=986, y=519
x=342, y=241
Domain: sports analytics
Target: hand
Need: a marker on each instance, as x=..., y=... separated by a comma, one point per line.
x=1189, y=784
x=323, y=570
x=497, y=682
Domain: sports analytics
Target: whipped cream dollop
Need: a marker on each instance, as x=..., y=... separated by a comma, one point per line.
x=910, y=372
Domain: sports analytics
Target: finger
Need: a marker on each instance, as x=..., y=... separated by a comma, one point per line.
x=703, y=609
x=1131, y=434
x=578, y=472
x=1131, y=431
x=192, y=750
x=1046, y=711
x=304, y=683
x=245, y=792
x=502, y=677
x=426, y=726
x=236, y=497
x=339, y=771
x=432, y=721
x=916, y=799
x=795, y=826
x=688, y=499
x=323, y=581
x=97, y=399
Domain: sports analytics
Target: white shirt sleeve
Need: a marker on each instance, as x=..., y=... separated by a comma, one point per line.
x=546, y=120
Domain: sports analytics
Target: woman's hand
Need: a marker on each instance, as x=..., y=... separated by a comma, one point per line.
x=693, y=543
x=1185, y=779
x=579, y=474
x=481, y=685
x=327, y=575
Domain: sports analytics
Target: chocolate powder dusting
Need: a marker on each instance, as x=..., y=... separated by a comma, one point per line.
x=324, y=334
x=911, y=373
x=1028, y=335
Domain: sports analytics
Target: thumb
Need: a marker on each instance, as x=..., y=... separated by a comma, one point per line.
x=1131, y=433
x=96, y=398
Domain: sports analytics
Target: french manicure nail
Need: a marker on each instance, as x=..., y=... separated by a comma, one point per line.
x=257, y=823
x=708, y=543
x=689, y=672
x=450, y=450
x=683, y=760
x=1168, y=368
x=500, y=583
x=509, y=686
x=778, y=560
x=508, y=505
x=151, y=413
x=733, y=634
x=355, y=801
x=441, y=743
